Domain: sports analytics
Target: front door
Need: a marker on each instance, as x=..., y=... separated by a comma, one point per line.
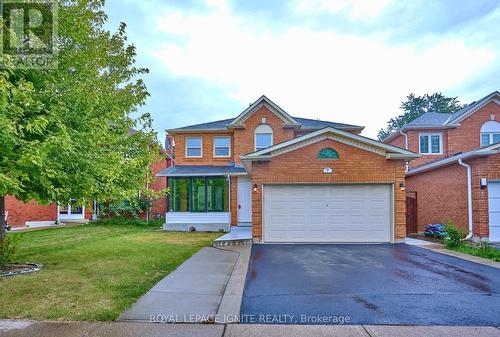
x=70, y=211
x=244, y=201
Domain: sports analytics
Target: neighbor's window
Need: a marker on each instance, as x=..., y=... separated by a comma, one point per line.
x=328, y=153
x=198, y=194
x=222, y=146
x=431, y=143
x=193, y=147
x=263, y=137
x=490, y=133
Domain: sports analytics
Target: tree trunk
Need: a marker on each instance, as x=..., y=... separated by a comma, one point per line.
x=2, y=217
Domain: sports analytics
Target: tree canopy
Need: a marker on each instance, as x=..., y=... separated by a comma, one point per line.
x=415, y=106
x=67, y=132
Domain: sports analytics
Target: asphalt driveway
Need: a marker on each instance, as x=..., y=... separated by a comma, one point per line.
x=367, y=284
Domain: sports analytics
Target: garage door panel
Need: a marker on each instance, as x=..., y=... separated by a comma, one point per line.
x=327, y=213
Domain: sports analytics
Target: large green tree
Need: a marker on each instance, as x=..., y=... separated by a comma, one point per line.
x=66, y=132
x=415, y=106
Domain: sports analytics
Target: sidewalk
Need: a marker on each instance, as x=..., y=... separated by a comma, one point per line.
x=190, y=294
x=121, y=329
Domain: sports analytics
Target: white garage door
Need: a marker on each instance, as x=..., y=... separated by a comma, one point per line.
x=327, y=213
x=494, y=210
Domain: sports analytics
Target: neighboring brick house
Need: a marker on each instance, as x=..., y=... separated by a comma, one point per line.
x=292, y=179
x=444, y=186
x=33, y=214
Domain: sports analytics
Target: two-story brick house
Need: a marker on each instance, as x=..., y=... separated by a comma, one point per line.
x=457, y=176
x=292, y=179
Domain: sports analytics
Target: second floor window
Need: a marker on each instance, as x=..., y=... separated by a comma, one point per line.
x=490, y=133
x=193, y=147
x=431, y=143
x=222, y=146
x=263, y=137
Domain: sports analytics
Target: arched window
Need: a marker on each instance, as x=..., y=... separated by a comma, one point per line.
x=263, y=137
x=490, y=133
x=328, y=153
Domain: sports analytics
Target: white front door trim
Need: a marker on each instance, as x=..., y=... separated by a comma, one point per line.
x=244, y=191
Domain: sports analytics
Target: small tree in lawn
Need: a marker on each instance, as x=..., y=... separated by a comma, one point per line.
x=65, y=132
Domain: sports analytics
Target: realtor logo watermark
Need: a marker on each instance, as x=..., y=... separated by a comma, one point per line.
x=28, y=34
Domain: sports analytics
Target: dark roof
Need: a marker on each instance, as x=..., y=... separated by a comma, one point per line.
x=306, y=124
x=201, y=170
x=430, y=119
x=216, y=125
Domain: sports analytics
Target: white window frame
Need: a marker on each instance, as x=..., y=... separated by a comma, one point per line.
x=429, y=135
x=222, y=137
x=186, y=147
x=490, y=135
x=265, y=133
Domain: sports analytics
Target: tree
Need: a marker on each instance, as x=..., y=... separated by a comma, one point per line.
x=66, y=132
x=415, y=106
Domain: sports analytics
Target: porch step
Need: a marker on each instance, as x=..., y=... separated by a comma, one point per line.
x=237, y=236
x=221, y=243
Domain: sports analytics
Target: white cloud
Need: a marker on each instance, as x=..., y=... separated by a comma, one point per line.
x=353, y=79
x=356, y=9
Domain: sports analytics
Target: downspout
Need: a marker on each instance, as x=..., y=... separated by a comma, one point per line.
x=469, y=195
x=406, y=147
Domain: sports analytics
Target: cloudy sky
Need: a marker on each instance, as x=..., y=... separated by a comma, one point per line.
x=347, y=61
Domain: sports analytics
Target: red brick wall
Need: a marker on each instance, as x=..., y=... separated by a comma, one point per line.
x=489, y=168
x=160, y=205
x=464, y=138
x=354, y=166
x=467, y=136
x=441, y=195
x=20, y=212
x=207, y=151
x=244, y=141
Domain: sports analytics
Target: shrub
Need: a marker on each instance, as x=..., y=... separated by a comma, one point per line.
x=7, y=251
x=455, y=236
x=126, y=208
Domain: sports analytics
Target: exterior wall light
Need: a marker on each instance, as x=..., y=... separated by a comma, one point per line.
x=402, y=186
x=255, y=188
x=484, y=183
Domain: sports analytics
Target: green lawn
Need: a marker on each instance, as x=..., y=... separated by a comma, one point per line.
x=92, y=272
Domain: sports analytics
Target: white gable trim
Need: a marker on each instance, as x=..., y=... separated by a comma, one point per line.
x=263, y=101
x=336, y=135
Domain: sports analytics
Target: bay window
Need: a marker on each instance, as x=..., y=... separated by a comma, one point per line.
x=198, y=194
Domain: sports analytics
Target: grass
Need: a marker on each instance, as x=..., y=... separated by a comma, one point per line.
x=92, y=272
x=476, y=250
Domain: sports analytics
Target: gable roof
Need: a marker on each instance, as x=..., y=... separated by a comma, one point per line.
x=389, y=151
x=263, y=101
x=296, y=122
x=438, y=120
x=483, y=151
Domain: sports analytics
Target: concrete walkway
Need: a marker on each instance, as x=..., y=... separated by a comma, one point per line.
x=123, y=329
x=196, y=291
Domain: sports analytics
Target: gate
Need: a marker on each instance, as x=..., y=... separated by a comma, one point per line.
x=411, y=213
